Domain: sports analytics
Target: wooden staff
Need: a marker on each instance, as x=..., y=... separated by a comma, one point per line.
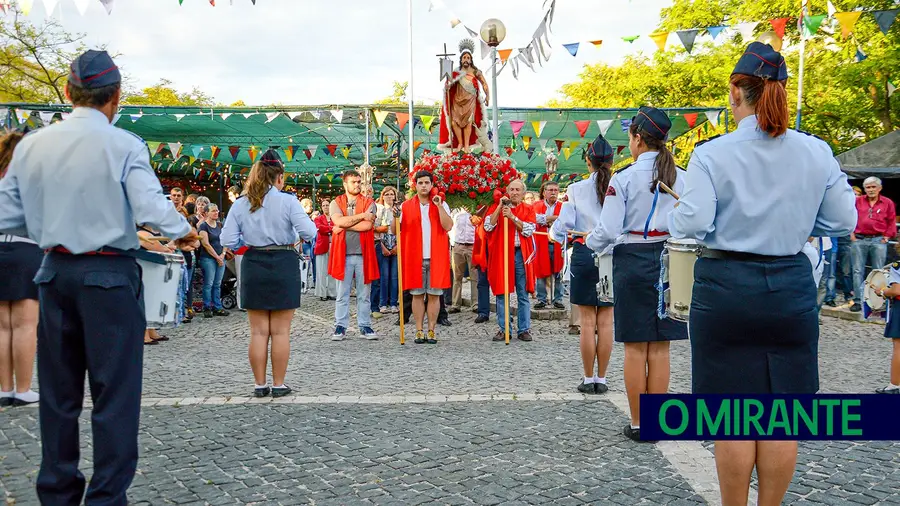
x=506, y=274
x=668, y=190
x=400, y=281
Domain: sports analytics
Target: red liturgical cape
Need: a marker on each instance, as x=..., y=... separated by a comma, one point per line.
x=525, y=213
x=411, y=247
x=337, y=259
x=544, y=266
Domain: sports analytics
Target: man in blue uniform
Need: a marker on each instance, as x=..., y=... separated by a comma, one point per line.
x=78, y=188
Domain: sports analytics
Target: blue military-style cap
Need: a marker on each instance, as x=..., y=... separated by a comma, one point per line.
x=600, y=150
x=761, y=60
x=94, y=69
x=653, y=121
x=271, y=157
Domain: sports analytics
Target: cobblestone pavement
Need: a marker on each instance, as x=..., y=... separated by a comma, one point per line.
x=468, y=421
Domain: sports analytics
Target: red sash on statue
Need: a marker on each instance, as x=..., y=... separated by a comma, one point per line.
x=450, y=97
x=525, y=213
x=543, y=266
x=411, y=244
x=337, y=260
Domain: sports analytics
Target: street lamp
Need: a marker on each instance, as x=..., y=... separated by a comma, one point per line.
x=492, y=33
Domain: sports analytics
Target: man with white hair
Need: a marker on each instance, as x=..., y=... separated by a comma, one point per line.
x=877, y=223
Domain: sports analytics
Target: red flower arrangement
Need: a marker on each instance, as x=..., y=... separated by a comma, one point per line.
x=467, y=180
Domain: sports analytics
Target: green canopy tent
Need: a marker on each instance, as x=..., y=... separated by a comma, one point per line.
x=320, y=142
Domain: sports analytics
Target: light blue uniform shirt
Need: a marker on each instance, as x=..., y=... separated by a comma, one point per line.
x=894, y=275
x=748, y=192
x=277, y=223
x=628, y=204
x=581, y=212
x=84, y=184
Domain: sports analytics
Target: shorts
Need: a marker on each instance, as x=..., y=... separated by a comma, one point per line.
x=426, y=281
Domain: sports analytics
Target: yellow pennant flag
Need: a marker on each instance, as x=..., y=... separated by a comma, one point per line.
x=526, y=141
x=848, y=21
x=538, y=126
x=380, y=116
x=191, y=160
x=574, y=144
x=26, y=6
x=345, y=152
x=253, y=151
x=567, y=152
x=660, y=39
x=427, y=121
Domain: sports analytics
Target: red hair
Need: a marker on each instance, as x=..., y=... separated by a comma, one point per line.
x=769, y=98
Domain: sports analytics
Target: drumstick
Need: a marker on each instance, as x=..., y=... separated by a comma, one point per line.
x=154, y=238
x=570, y=232
x=668, y=190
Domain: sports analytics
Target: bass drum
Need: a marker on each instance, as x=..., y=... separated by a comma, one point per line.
x=878, y=278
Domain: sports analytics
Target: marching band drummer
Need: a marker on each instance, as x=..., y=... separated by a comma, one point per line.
x=268, y=222
x=632, y=206
x=580, y=213
x=892, y=327
x=753, y=319
x=77, y=188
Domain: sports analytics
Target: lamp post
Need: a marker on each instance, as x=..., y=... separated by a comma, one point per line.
x=493, y=31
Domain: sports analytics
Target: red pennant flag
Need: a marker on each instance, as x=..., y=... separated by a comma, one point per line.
x=778, y=25
x=215, y=151
x=691, y=119
x=212, y=2
x=509, y=151
x=582, y=126
x=619, y=149
x=234, y=150
x=402, y=118
x=559, y=145
x=331, y=148
x=289, y=152
x=307, y=153
x=253, y=151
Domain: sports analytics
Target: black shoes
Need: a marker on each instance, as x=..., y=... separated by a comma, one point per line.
x=281, y=391
x=634, y=434
x=592, y=388
x=221, y=312
x=261, y=392
x=855, y=308
x=481, y=319
x=540, y=305
x=558, y=305
x=444, y=322
x=207, y=313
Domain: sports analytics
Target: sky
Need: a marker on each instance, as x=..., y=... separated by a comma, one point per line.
x=341, y=52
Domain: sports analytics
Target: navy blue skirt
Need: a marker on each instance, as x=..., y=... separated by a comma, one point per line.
x=19, y=262
x=892, y=327
x=584, y=278
x=270, y=280
x=754, y=327
x=636, y=269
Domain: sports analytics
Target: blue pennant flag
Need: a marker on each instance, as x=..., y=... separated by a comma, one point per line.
x=572, y=48
x=860, y=56
x=626, y=124
x=714, y=31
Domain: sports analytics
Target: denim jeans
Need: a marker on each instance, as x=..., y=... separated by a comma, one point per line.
x=522, y=297
x=829, y=276
x=212, y=282
x=866, y=251
x=353, y=265
x=484, y=293
x=387, y=266
x=189, y=291
x=556, y=279
x=844, y=267
x=375, y=288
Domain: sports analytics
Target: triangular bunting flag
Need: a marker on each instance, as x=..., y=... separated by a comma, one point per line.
x=154, y=147
x=380, y=116
x=712, y=117
x=619, y=149
x=135, y=117
x=631, y=38
x=270, y=116
x=235, y=151
x=543, y=144
x=582, y=126
x=427, y=121
x=860, y=56
x=331, y=148
x=660, y=39
x=567, y=152
x=402, y=119
x=338, y=115
x=891, y=88
x=538, y=127
x=247, y=115
x=346, y=152
x=289, y=152
x=108, y=4
x=293, y=114
x=604, y=125
x=746, y=30
x=812, y=23
x=626, y=123
x=714, y=31
x=597, y=43
x=778, y=25
x=454, y=22
x=509, y=151
x=572, y=48
x=516, y=127
x=49, y=6
x=253, y=151
x=225, y=115
x=416, y=145
x=504, y=54
x=848, y=21
x=214, y=152
x=530, y=152
x=196, y=151
x=308, y=156
x=179, y=117
x=559, y=145
x=691, y=119
x=46, y=117
x=831, y=9
x=82, y=6
x=885, y=19
x=191, y=160
x=312, y=148
x=526, y=141
x=316, y=114
x=687, y=38
x=175, y=148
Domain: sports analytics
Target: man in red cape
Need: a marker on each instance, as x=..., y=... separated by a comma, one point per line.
x=465, y=106
x=520, y=262
x=548, y=263
x=425, y=223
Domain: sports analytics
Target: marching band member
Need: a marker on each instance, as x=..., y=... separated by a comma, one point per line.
x=425, y=244
x=581, y=212
x=892, y=328
x=633, y=204
x=77, y=188
x=521, y=249
x=548, y=262
x=754, y=324
x=268, y=222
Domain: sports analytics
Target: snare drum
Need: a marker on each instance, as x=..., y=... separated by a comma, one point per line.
x=678, y=280
x=161, y=275
x=604, y=264
x=878, y=278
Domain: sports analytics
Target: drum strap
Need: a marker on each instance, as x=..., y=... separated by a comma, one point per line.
x=661, y=288
x=652, y=210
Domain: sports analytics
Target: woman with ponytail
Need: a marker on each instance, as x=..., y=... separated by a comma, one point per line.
x=268, y=222
x=580, y=213
x=633, y=223
x=753, y=318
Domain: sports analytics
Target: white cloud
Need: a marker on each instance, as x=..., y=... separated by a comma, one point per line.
x=345, y=51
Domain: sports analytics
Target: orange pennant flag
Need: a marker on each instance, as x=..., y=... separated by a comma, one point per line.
x=848, y=21
x=660, y=39
x=504, y=54
x=402, y=118
x=253, y=151
x=416, y=145
x=597, y=43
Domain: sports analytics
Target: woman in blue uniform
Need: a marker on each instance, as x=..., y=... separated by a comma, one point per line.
x=892, y=328
x=634, y=220
x=753, y=319
x=268, y=222
x=580, y=213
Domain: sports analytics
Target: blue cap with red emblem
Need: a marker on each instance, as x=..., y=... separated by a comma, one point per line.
x=600, y=151
x=94, y=69
x=761, y=60
x=271, y=158
x=653, y=121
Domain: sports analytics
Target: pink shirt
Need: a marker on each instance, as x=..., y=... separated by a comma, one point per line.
x=877, y=219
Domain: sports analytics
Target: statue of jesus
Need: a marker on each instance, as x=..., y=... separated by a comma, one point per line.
x=464, y=113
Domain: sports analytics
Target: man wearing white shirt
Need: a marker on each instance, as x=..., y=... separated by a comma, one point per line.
x=464, y=239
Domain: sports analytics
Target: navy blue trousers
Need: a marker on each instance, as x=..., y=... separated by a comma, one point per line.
x=91, y=320
x=484, y=293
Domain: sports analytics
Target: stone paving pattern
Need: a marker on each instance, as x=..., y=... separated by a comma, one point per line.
x=469, y=452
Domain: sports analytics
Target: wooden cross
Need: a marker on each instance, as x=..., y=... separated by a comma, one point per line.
x=443, y=58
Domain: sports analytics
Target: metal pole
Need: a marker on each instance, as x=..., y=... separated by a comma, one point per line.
x=495, y=127
x=802, y=65
x=367, y=137
x=412, y=149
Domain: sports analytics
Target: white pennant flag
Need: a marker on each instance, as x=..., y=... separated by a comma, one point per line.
x=485, y=49
x=338, y=115
x=179, y=117
x=247, y=115
x=108, y=4
x=46, y=117
x=49, y=6
x=270, y=116
x=713, y=117
x=472, y=33
x=891, y=89
x=294, y=114
x=543, y=142
x=604, y=125
x=316, y=114
x=225, y=115
x=135, y=117
x=82, y=6
x=22, y=116
x=522, y=56
x=175, y=148
x=312, y=150
x=540, y=129
x=746, y=30
x=831, y=9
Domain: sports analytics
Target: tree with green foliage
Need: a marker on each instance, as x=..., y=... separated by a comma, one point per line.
x=162, y=93
x=398, y=97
